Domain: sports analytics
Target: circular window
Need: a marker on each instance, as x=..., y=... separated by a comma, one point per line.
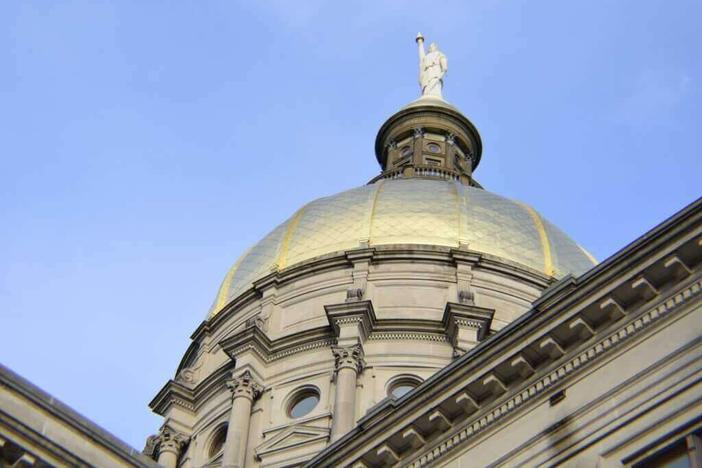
x=217, y=441
x=406, y=151
x=402, y=385
x=303, y=402
x=434, y=148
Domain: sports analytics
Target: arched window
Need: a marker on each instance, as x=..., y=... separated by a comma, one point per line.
x=217, y=439
x=402, y=384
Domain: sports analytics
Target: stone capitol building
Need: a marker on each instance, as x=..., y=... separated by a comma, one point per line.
x=420, y=320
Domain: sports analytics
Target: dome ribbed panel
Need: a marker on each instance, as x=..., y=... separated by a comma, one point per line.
x=409, y=211
x=569, y=257
x=257, y=263
x=330, y=224
x=499, y=226
x=415, y=211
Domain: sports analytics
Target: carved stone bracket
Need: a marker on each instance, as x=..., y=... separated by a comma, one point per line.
x=175, y=393
x=466, y=325
x=351, y=321
x=244, y=385
x=256, y=321
x=464, y=278
x=361, y=260
x=354, y=294
x=465, y=296
x=348, y=357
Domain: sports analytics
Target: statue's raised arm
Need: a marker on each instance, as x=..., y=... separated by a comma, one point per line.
x=433, y=65
x=420, y=44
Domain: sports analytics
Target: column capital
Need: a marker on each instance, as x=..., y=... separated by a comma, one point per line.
x=167, y=440
x=244, y=385
x=348, y=357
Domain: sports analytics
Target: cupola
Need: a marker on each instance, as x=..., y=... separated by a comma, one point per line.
x=428, y=138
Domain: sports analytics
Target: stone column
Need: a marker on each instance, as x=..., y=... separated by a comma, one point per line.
x=169, y=444
x=349, y=363
x=168, y=454
x=244, y=391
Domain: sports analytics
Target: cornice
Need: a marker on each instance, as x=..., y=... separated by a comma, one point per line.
x=56, y=409
x=253, y=338
x=466, y=315
x=555, y=376
x=678, y=229
x=190, y=355
x=12, y=428
x=173, y=393
x=359, y=312
x=213, y=384
x=200, y=331
x=242, y=300
x=377, y=254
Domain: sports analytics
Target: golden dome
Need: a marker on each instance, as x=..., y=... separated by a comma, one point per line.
x=409, y=211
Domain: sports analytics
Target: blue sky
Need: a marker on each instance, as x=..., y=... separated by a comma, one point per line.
x=145, y=145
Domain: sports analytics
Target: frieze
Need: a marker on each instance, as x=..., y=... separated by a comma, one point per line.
x=416, y=336
x=305, y=347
